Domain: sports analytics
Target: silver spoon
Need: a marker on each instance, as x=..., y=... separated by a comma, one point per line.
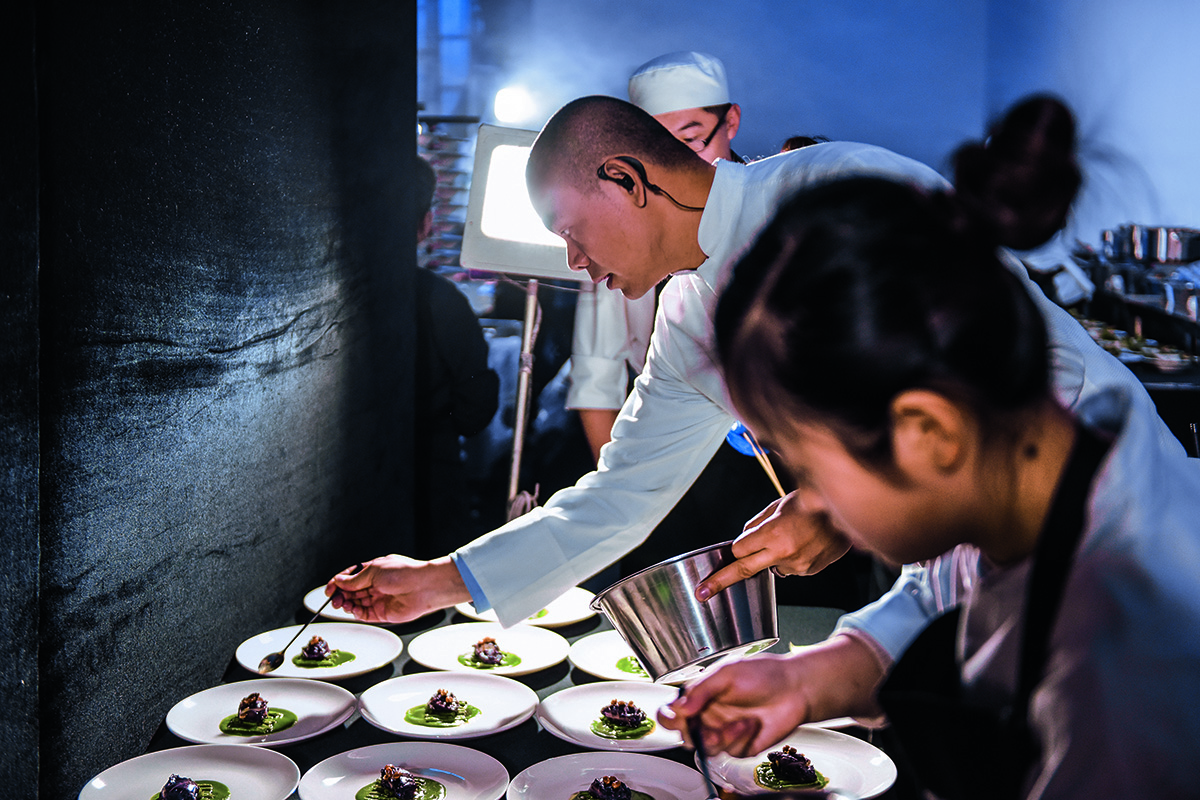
x=696, y=732
x=272, y=661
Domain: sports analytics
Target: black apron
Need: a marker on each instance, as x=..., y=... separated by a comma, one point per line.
x=944, y=743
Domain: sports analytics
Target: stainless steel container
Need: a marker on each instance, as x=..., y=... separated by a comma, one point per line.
x=674, y=635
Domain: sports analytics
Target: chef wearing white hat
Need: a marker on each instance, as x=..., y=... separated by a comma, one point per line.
x=689, y=94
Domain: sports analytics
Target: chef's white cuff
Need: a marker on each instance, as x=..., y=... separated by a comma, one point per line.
x=478, y=598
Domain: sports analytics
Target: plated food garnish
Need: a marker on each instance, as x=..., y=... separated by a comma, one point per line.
x=622, y=719
x=443, y=710
x=631, y=665
x=178, y=787
x=317, y=653
x=255, y=717
x=788, y=769
x=486, y=654
x=397, y=783
x=609, y=787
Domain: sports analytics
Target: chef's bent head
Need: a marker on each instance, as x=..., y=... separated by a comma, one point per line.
x=623, y=193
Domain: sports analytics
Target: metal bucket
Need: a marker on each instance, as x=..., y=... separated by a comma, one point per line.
x=674, y=635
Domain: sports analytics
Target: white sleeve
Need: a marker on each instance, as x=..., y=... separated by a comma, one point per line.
x=664, y=436
x=611, y=335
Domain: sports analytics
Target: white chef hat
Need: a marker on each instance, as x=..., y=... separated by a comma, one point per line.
x=680, y=80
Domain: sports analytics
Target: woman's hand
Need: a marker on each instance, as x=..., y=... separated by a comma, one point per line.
x=748, y=705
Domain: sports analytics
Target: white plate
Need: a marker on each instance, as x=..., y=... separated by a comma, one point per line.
x=559, y=778
x=598, y=655
x=316, y=598
x=318, y=706
x=538, y=648
x=502, y=702
x=372, y=647
x=247, y=771
x=467, y=774
x=568, y=714
x=573, y=605
x=853, y=767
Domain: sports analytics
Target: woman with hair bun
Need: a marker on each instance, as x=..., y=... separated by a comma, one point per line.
x=875, y=338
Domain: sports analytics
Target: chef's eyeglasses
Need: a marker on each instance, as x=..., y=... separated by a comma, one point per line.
x=722, y=112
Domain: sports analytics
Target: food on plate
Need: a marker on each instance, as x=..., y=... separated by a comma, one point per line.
x=788, y=769
x=397, y=783
x=255, y=717
x=178, y=787
x=486, y=654
x=609, y=787
x=318, y=653
x=622, y=719
x=443, y=710
x=631, y=665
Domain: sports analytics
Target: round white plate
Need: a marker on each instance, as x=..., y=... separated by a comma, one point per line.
x=318, y=706
x=559, y=778
x=316, y=598
x=467, y=774
x=538, y=648
x=247, y=771
x=502, y=702
x=573, y=605
x=853, y=767
x=568, y=714
x=598, y=655
x=372, y=647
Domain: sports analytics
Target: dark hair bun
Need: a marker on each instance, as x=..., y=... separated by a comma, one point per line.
x=1021, y=181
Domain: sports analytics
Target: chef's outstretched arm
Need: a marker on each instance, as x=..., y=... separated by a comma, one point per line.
x=788, y=535
x=396, y=588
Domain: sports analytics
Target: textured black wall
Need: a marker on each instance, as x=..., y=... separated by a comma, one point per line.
x=225, y=339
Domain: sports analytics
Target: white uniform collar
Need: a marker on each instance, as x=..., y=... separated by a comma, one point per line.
x=721, y=211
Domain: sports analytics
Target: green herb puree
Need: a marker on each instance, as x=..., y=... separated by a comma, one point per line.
x=631, y=665
x=417, y=715
x=764, y=775
x=509, y=660
x=610, y=730
x=334, y=658
x=209, y=790
x=278, y=719
x=429, y=790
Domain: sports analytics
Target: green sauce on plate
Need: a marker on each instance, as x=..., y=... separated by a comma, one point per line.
x=209, y=790
x=278, y=719
x=509, y=660
x=429, y=790
x=417, y=715
x=764, y=775
x=334, y=658
x=631, y=665
x=610, y=730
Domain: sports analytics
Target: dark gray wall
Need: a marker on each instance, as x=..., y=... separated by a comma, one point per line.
x=225, y=340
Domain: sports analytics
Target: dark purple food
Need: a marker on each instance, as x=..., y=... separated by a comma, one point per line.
x=443, y=702
x=399, y=781
x=791, y=766
x=487, y=651
x=316, y=649
x=623, y=713
x=253, y=709
x=609, y=788
x=179, y=788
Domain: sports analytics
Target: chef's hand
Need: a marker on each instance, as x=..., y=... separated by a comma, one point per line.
x=747, y=706
x=397, y=588
x=786, y=535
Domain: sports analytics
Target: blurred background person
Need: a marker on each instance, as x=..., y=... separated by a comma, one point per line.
x=456, y=394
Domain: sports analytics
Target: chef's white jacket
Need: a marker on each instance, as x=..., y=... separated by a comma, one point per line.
x=612, y=335
x=679, y=411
